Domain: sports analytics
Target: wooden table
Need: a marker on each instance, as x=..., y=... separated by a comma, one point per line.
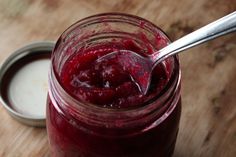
x=208, y=123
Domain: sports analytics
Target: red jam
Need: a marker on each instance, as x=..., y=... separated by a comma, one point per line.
x=103, y=113
x=106, y=83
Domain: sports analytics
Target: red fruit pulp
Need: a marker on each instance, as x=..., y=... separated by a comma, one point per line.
x=106, y=83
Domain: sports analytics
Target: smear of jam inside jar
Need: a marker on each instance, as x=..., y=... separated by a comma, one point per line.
x=106, y=83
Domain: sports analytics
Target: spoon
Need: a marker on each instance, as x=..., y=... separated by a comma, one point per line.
x=140, y=68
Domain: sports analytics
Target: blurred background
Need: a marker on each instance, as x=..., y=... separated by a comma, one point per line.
x=208, y=122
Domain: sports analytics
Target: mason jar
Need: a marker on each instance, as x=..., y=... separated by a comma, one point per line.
x=111, y=119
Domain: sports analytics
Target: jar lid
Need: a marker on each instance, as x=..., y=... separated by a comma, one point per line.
x=23, y=83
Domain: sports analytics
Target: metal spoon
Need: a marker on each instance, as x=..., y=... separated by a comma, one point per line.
x=140, y=68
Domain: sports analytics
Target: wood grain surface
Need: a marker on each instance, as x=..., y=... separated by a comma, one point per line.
x=208, y=122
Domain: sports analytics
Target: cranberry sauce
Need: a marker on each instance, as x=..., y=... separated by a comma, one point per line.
x=68, y=139
x=106, y=83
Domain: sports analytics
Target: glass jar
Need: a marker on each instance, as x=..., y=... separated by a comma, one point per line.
x=77, y=128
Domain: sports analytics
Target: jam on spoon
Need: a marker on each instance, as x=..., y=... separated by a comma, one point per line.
x=140, y=68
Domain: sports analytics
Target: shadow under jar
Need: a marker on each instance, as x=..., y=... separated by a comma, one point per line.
x=96, y=109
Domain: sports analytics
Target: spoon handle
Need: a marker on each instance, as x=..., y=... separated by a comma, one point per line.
x=222, y=26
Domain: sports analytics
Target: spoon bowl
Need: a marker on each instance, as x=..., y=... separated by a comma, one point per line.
x=138, y=67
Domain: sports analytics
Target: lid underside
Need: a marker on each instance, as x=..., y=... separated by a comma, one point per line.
x=23, y=83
